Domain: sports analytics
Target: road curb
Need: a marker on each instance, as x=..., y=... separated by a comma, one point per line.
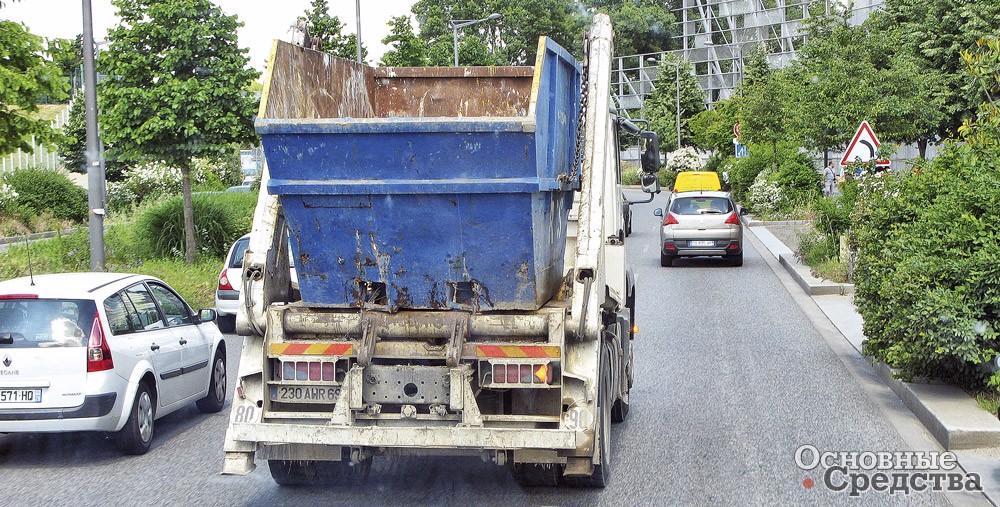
x=33, y=237
x=949, y=413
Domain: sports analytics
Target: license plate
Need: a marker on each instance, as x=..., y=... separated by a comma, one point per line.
x=20, y=395
x=305, y=394
x=701, y=243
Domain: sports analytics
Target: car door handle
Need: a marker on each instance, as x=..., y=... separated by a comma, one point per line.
x=154, y=347
x=183, y=341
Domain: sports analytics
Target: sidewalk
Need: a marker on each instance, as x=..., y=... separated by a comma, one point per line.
x=947, y=412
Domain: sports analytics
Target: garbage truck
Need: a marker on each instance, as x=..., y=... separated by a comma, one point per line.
x=462, y=286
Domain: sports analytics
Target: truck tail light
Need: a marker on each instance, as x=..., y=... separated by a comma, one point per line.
x=522, y=373
x=670, y=220
x=98, y=351
x=314, y=371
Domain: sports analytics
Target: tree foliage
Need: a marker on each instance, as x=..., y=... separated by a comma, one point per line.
x=26, y=78
x=328, y=30
x=408, y=49
x=641, y=26
x=934, y=32
x=510, y=40
x=67, y=54
x=176, y=87
x=660, y=108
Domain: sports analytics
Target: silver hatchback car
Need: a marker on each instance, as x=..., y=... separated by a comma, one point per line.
x=104, y=352
x=701, y=224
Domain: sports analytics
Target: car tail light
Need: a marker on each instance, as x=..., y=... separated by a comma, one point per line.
x=224, y=280
x=98, y=351
x=670, y=219
x=734, y=245
x=734, y=219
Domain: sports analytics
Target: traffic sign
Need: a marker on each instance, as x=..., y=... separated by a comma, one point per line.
x=736, y=129
x=863, y=147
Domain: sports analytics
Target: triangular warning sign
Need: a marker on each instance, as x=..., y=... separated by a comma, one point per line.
x=863, y=146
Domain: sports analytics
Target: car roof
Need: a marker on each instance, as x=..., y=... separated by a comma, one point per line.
x=85, y=285
x=703, y=193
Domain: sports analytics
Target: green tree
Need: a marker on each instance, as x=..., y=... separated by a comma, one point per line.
x=72, y=145
x=712, y=129
x=67, y=54
x=328, y=30
x=660, y=108
x=641, y=26
x=176, y=88
x=26, y=78
x=408, y=49
x=510, y=40
x=934, y=33
x=764, y=117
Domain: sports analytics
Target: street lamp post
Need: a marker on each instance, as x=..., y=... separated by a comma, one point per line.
x=677, y=80
x=457, y=24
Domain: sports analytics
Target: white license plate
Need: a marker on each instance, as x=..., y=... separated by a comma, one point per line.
x=701, y=243
x=305, y=394
x=20, y=395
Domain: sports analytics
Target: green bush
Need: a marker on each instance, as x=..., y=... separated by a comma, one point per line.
x=795, y=175
x=928, y=270
x=41, y=190
x=833, y=213
x=219, y=220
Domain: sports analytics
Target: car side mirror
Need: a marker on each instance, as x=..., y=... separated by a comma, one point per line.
x=650, y=158
x=743, y=211
x=650, y=183
x=658, y=212
x=206, y=315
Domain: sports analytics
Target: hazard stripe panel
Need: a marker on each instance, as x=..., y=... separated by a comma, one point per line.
x=311, y=349
x=542, y=351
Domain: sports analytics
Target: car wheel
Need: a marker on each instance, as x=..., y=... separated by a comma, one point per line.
x=737, y=260
x=666, y=261
x=216, y=397
x=227, y=323
x=137, y=434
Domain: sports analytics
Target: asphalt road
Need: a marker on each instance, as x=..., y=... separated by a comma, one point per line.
x=734, y=373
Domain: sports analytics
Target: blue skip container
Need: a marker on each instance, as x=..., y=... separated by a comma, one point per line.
x=423, y=188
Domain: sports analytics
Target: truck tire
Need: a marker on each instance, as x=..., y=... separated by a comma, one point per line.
x=534, y=475
x=602, y=472
x=293, y=473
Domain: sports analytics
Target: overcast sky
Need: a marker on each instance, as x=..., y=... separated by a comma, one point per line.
x=265, y=20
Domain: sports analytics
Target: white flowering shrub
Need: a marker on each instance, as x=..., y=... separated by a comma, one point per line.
x=8, y=196
x=765, y=196
x=684, y=159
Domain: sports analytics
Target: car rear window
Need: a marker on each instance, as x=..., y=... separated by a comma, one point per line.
x=27, y=323
x=239, y=249
x=701, y=205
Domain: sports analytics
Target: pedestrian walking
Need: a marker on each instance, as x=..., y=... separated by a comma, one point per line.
x=829, y=180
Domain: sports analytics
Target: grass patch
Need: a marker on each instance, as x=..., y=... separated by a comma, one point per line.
x=988, y=401
x=65, y=253
x=50, y=111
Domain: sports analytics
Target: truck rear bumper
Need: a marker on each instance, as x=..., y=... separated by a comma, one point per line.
x=444, y=437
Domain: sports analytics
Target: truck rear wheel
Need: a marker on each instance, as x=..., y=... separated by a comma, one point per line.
x=602, y=472
x=532, y=475
x=293, y=473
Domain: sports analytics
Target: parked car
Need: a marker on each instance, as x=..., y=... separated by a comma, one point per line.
x=104, y=352
x=701, y=224
x=227, y=294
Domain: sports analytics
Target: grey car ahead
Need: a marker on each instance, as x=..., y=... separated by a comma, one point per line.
x=699, y=224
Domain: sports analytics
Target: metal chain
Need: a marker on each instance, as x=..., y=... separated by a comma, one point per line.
x=582, y=120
